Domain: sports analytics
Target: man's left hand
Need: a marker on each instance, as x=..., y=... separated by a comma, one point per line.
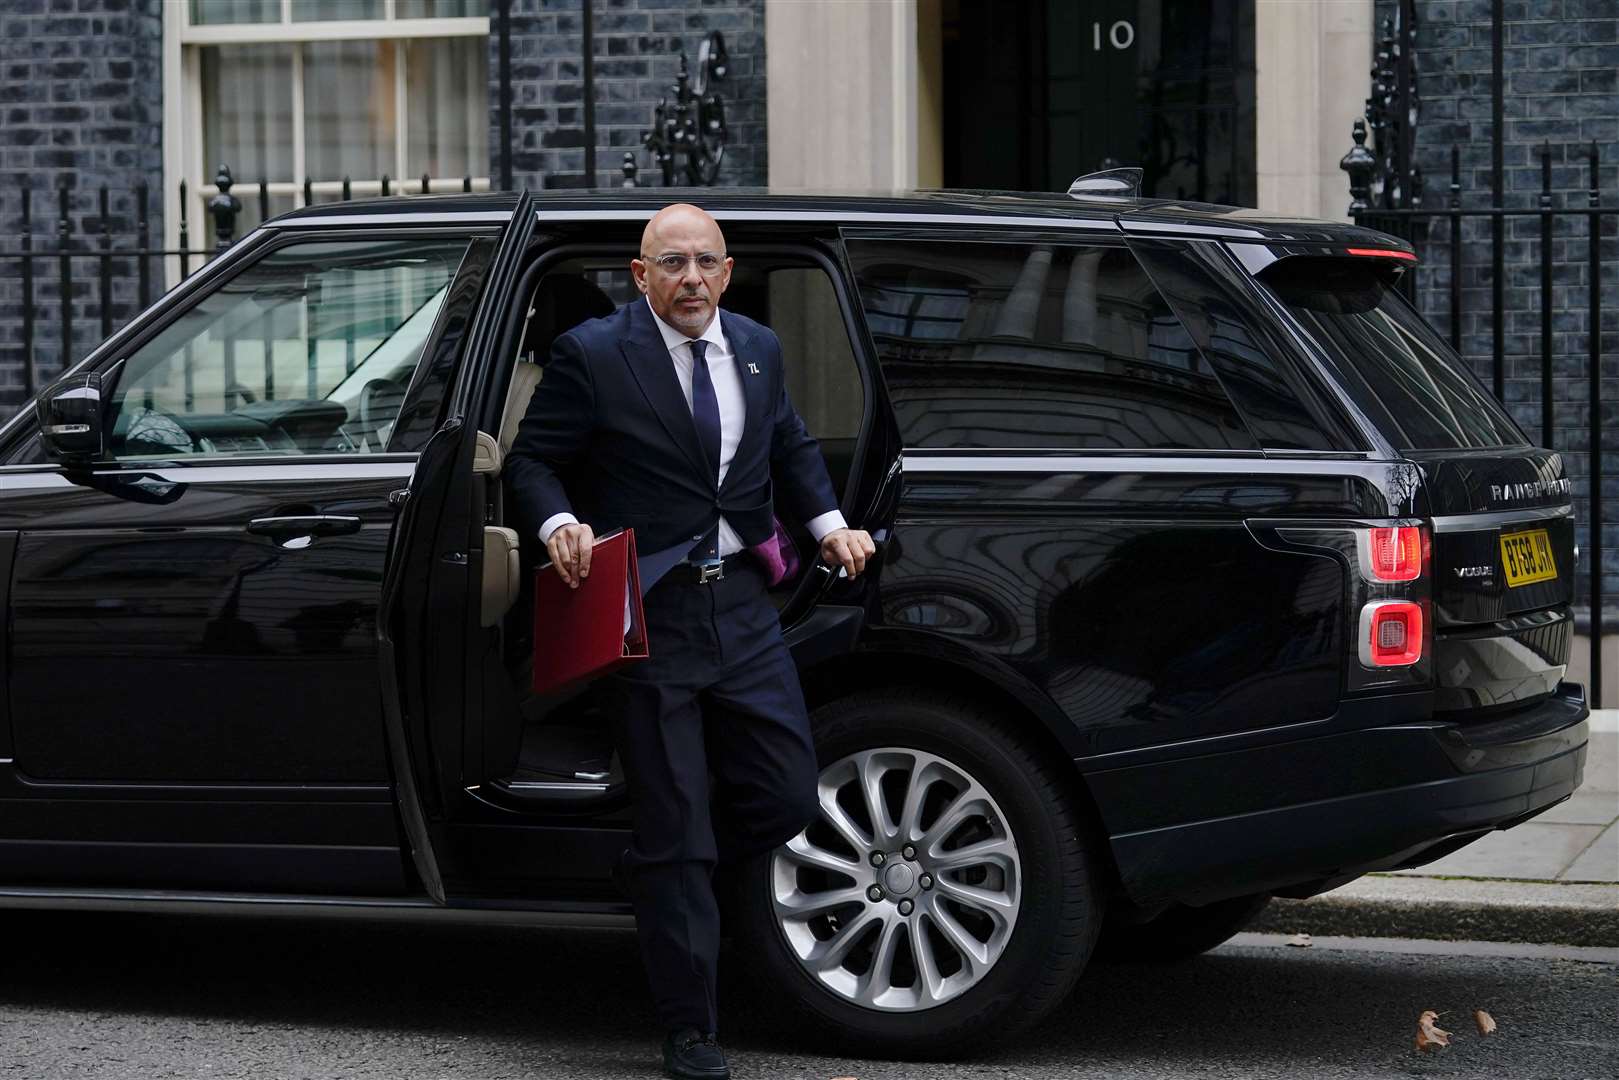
x=848, y=548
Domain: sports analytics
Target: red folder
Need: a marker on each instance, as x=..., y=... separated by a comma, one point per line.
x=580, y=633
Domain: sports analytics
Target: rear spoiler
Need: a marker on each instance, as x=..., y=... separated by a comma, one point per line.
x=1260, y=258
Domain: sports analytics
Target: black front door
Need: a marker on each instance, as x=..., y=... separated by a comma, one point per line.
x=1038, y=92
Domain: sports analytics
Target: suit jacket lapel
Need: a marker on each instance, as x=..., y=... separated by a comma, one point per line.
x=654, y=372
x=755, y=387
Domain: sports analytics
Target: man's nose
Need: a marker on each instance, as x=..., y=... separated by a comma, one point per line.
x=690, y=276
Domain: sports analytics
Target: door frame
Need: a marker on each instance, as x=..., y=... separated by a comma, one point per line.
x=815, y=631
x=432, y=560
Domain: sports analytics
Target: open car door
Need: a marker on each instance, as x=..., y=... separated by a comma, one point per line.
x=428, y=608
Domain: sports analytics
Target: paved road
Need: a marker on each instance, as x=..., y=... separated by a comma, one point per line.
x=91, y=995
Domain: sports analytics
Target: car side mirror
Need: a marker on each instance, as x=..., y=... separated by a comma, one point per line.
x=70, y=425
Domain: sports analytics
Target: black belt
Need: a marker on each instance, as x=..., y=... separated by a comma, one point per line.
x=705, y=573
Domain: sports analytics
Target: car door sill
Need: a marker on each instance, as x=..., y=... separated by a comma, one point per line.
x=258, y=905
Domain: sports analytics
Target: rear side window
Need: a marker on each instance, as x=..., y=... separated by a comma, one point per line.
x=1236, y=342
x=1399, y=372
x=1023, y=346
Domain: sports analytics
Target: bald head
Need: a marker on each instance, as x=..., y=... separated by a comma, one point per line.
x=679, y=221
x=683, y=293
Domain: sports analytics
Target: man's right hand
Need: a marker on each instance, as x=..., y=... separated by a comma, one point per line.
x=569, y=547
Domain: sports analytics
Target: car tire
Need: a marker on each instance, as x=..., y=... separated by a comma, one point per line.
x=1032, y=904
x=1179, y=933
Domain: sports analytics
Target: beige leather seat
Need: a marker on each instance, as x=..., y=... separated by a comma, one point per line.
x=501, y=566
x=525, y=377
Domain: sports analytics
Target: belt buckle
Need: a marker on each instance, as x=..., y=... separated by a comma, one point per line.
x=710, y=571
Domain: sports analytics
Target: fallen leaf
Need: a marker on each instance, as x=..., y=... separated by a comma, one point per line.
x=1429, y=1033
x=1300, y=941
x=1485, y=1022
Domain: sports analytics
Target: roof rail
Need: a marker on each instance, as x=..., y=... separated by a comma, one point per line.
x=1119, y=183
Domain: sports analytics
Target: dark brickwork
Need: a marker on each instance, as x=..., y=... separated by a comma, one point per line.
x=81, y=91
x=637, y=47
x=1561, y=65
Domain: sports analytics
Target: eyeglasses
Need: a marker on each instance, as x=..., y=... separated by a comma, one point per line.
x=708, y=263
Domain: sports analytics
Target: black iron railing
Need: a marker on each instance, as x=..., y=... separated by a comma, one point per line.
x=1558, y=236
x=1559, y=228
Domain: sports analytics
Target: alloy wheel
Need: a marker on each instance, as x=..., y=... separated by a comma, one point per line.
x=904, y=891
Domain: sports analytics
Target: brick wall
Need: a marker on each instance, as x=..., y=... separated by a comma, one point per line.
x=637, y=47
x=81, y=96
x=1561, y=68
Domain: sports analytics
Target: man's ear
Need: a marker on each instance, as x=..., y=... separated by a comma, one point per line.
x=638, y=274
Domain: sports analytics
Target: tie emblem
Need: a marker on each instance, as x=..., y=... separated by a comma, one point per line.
x=753, y=369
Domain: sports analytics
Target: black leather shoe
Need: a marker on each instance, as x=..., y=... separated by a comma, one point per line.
x=689, y=1054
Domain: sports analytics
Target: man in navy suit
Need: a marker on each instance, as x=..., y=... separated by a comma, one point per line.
x=672, y=417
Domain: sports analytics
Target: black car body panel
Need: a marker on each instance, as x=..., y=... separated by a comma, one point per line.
x=1178, y=626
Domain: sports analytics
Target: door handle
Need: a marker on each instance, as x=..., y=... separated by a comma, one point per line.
x=305, y=525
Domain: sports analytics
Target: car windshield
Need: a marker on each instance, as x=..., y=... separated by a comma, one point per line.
x=1400, y=373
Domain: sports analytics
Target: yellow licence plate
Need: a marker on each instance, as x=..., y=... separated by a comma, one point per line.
x=1527, y=557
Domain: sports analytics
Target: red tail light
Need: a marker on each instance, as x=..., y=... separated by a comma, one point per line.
x=1382, y=253
x=1394, y=554
x=1390, y=633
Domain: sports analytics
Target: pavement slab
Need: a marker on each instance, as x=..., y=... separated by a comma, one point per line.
x=1599, y=861
x=1533, y=851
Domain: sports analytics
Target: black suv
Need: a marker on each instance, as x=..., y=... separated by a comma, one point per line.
x=1206, y=573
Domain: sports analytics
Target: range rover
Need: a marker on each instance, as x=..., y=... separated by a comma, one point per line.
x=1207, y=573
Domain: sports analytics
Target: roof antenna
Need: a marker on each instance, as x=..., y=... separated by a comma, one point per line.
x=1117, y=183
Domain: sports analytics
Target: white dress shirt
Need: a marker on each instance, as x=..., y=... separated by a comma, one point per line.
x=722, y=371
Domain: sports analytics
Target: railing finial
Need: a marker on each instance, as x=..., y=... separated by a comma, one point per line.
x=1359, y=164
x=224, y=207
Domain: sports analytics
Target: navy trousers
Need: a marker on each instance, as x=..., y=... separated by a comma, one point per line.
x=716, y=749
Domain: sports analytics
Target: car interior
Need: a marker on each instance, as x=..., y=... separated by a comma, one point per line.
x=558, y=749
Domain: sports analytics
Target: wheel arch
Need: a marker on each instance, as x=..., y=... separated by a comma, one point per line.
x=929, y=670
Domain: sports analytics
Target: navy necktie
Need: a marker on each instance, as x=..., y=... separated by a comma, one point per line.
x=705, y=411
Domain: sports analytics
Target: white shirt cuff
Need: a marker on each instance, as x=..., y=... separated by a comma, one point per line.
x=830, y=521
x=556, y=521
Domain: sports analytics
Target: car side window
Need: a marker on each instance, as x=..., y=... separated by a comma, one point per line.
x=307, y=351
x=1022, y=346
x=1248, y=363
x=823, y=378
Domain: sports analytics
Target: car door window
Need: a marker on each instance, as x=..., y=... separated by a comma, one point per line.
x=308, y=351
x=1003, y=345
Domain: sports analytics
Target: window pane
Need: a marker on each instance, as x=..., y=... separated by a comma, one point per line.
x=447, y=106
x=247, y=111
x=349, y=109
x=216, y=12
x=307, y=351
x=329, y=10
x=1250, y=367
x=823, y=379
x=1421, y=395
x=440, y=9
x=1003, y=345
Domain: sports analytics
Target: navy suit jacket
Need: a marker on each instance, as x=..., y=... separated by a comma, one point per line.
x=608, y=437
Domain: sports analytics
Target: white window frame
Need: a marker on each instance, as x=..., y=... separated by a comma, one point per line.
x=182, y=110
